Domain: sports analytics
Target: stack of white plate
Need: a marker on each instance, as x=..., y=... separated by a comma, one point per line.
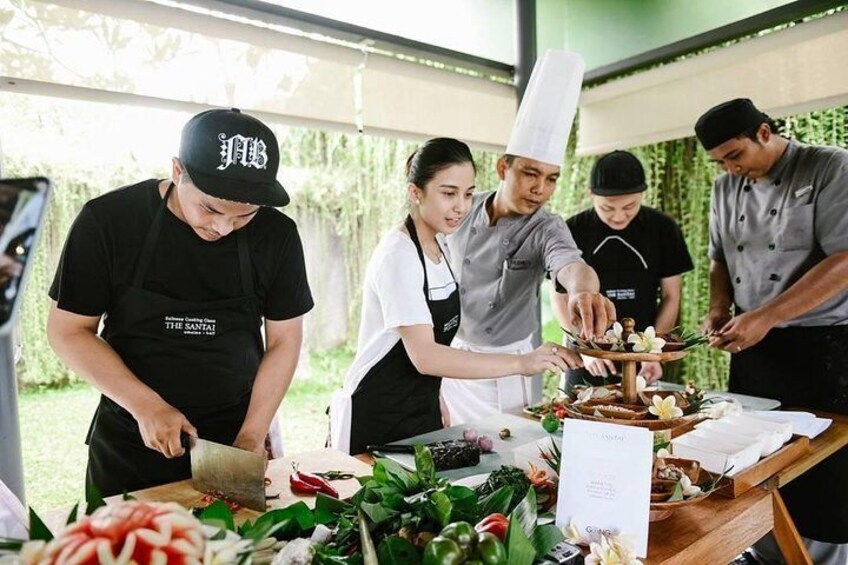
x=733, y=443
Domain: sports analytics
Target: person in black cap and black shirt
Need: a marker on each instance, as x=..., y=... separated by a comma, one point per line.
x=183, y=272
x=638, y=252
x=779, y=259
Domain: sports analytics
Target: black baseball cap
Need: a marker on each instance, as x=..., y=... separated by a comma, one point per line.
x=727, y=120
x=233, y=156
x=617, y=173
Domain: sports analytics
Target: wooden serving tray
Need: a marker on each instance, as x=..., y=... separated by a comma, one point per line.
x=765, y=468
x=675, y=427
x=663, y=357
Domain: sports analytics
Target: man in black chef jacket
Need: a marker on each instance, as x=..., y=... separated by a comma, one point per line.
x=183, y=272
x=638, y=252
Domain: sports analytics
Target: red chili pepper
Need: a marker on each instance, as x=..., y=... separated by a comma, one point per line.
x=307, y=483
x=496, y=524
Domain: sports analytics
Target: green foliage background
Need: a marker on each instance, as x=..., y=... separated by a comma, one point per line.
x=355, y=184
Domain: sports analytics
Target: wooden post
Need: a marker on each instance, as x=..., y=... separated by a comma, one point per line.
x=628, y=369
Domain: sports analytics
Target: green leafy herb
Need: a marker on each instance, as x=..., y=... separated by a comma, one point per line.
x=218, y=514
x=395, y=550
x=545, y=537
x=38, y=530
x=507, y=475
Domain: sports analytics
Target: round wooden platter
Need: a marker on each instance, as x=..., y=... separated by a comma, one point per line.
x=662, y=510
x=653, y=425
x=630, y=356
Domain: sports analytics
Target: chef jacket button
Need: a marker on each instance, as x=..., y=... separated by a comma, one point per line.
x=506, y=242
x=738, y=280
x=771, y=246
x=488, y=331
x=466, y=261
x=773, y=212
x=747, y=188
x=774, y=277
x=473, y=231
x=462, y=290
x=739, y=248
x=776, y=182
x=742, y=218
x=491, y=305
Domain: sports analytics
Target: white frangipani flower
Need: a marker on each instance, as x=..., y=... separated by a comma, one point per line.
x=572, y=533
x=662, y=453
x=689, y=490
x=647, y=341
x=613, y=334
x=612, y=551
x=665, y=408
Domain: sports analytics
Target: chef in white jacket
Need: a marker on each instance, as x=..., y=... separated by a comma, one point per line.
x=509, y=242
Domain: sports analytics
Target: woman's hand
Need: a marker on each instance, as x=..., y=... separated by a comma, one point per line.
x=549, y=357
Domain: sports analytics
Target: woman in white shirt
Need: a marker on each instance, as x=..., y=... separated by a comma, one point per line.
x=410, y=314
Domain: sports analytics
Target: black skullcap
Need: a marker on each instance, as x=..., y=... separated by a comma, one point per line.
x=726, y=121
x=617, y=173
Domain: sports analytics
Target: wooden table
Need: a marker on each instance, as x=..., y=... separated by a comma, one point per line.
x=719, y=529
x=278, y=471
x=714, y=531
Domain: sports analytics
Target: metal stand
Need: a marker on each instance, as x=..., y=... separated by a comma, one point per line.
x=11, y=467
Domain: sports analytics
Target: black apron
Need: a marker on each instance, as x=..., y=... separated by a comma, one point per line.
x=200, y=357
x=394, y=401
x=631, y=286
x=805, y=367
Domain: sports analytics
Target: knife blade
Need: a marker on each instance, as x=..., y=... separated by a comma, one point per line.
x=237, y=474
x=391, y=448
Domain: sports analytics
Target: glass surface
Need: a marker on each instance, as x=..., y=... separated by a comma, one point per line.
x=22, y=203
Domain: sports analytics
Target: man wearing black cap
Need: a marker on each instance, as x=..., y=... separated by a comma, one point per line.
x=638, y=252
x=779, y=251
x=183, y=272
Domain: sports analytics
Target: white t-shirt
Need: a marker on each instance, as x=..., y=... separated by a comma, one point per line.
x=392, y=297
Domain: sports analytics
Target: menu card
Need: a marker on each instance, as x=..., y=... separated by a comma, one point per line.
x=605, y=481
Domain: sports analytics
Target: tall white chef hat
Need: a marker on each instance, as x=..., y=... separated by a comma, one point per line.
x=547, y=110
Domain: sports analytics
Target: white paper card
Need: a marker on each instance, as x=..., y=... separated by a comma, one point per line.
x=605, y=481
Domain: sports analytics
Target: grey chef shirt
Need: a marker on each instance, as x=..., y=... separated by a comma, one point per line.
x=500, y=269
x=771, y=232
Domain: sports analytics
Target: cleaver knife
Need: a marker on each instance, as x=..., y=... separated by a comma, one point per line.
x=237, y=474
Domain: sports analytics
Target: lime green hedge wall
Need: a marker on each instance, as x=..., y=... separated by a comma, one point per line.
x=356, y=184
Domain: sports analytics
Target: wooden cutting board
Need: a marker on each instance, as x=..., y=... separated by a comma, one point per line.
x=278, y=471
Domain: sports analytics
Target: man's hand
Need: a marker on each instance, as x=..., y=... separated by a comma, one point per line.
x=652, y=371
x=160, y=429
x=743, y=331
x=252, y=443
x=715, y=320
x=591, y=313
x=599, y=367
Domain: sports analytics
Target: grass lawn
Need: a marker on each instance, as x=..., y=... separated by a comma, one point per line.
x=54, y=424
